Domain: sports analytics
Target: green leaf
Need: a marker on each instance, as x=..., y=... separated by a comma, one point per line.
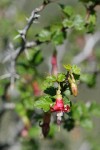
x=67, y=23
x=20, y=109
x=33, y=51
x=43, y=103
x=68, y=10
x=78, y=22
x=90, y=28
x=51, y=78
x=2, y=90
x=76, y=70
x=44, y=35
x=68, y=67
x=67, y=92
x=58, y=37
x=61, y=77
x=49, y=82
x=50, y=91
x=46, y=85
x=66, y=101
x=92, y=19
x=56, y=27
x=37, y=58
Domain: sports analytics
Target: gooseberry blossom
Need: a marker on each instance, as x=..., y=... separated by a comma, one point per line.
x=59, y=107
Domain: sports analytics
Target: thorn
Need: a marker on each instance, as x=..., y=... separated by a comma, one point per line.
x=27, y=19
x=20, y=31
x=5, y=76
x=35, y=21
x=37, y=15
x=17, y=36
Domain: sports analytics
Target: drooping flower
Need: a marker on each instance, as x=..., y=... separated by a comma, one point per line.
x=59, y=107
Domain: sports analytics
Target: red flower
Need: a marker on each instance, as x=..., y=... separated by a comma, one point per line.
x=59, y=107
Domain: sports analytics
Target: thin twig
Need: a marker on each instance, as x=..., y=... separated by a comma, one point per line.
x=14, y=54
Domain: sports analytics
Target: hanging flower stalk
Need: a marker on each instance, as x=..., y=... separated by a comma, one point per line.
x=54, y=70
x=59, y=106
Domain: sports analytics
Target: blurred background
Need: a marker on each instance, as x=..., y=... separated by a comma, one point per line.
x=13, y=16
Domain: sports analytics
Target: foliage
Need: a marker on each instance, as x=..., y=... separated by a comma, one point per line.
x=41, y=95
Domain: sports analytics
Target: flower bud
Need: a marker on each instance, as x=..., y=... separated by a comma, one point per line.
x=74, y=89
x=36, y=88
x=54, y=70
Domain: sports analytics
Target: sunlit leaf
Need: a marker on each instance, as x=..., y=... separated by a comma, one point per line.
x=76, y=70
x=61, y=77
x=68, y=67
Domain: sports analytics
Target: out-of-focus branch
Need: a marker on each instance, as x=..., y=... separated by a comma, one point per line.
x=11, y=73
x=91, y=40
x=7, y=106
x=30, y=44
x=23, y=33
x=14, y=54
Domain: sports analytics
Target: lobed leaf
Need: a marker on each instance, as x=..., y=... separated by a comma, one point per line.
x=43, y=103
x=68, y=10
x=44, y=35
x=76, y=70
x=68, y=67
x=61, y=77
